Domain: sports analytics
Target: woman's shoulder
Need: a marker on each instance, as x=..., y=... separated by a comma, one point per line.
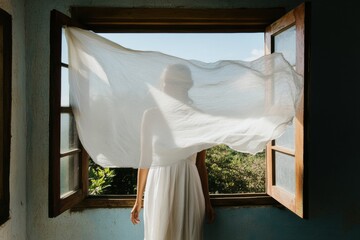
x=151, y=112
x=152, y=115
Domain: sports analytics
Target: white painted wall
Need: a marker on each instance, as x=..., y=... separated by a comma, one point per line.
x=15, y=228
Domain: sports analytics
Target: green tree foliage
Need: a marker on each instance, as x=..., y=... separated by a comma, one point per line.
x=234, y=172
x=229, y=172
x=113, y=181
x=124, y=182
x=100, y=179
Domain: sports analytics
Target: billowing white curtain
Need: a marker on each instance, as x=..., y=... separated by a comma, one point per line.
x=138, y=108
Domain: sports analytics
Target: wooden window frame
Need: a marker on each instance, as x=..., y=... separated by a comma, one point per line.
x=176, y=21
x=154, y=20
x=5, y=21
x=57, y=205
x=298, y=17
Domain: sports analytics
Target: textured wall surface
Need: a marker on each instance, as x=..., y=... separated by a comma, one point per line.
x=15, y=228
x=333, y=161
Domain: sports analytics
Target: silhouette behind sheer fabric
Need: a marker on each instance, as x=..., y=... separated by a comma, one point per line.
x=174, y=202
x=177, y=81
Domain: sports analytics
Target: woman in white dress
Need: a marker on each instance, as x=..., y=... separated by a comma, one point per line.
x=176, y=192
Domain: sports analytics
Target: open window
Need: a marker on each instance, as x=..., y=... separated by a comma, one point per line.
x=111, y=20
x=285, y=155
x=68, y=159
x=5, y=112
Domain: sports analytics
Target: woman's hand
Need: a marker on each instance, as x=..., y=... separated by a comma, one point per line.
x=141, y=182
x=134, y=215
x=210, y=213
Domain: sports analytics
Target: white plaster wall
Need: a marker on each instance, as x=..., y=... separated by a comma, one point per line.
x=15, y=228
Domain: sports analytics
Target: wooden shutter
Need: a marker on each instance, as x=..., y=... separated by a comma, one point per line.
x=68, y=175
x=285, y=156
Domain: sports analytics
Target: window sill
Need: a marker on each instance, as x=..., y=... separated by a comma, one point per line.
x=218, y=200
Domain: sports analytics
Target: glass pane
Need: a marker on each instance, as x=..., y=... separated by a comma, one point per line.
x=69, y=174
x=285, y=43
x=64, y=48
x=69, y=137
x=288, y=138
x=65, y=94
x=285, y=171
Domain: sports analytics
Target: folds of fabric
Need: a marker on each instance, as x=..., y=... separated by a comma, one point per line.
x=174, y=206
x=118, y=100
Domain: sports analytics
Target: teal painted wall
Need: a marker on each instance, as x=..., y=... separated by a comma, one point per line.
x=333, y=160
x=15, y=228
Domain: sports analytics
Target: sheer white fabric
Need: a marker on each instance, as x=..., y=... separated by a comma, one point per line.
x=128, y=102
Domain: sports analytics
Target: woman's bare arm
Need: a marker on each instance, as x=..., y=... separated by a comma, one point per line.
x=145, y=160
x=141, y=183
x=201, y=167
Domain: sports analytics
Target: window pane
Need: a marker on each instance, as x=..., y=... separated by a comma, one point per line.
x=64, y=48
x=288, y=138
x=285, y=43
x=69, y=174
x=285, y=171
x=69, y=138
x=65, y=94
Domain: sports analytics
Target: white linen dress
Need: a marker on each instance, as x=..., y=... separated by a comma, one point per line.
x=174, y=205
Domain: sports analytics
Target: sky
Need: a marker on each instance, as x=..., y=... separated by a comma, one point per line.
x=206, y=47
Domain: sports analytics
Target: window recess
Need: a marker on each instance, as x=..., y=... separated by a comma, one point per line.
x=138, y=20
